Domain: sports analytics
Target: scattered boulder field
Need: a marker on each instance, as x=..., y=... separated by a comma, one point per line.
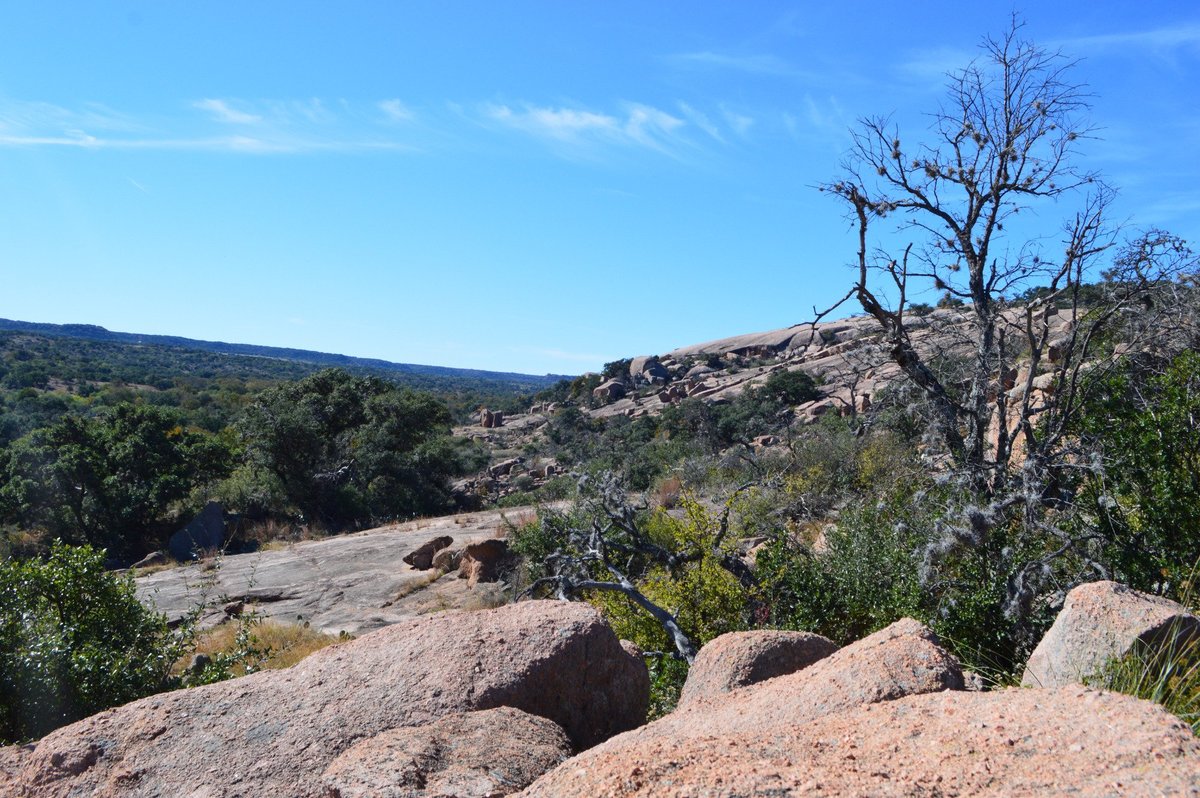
x=540, y=699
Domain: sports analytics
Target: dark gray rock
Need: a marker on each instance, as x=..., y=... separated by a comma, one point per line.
x=206, y=532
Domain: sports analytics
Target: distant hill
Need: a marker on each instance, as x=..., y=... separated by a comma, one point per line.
x=92, y=332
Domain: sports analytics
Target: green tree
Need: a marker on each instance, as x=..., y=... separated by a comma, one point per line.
x=350, y=450
x=111, y=480
x=74, y=640
x=792, y=387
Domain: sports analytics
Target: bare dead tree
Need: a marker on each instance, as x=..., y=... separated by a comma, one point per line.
x=608, y=551
x=939, y=215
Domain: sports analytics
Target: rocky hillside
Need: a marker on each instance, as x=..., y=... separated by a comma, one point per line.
x=845, y=358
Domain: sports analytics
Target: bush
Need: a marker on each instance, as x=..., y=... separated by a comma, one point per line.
x=707, y=599
x=1147, y=505
x=75, y=640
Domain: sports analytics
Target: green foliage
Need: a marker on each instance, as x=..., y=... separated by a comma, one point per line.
x=706, y=599
x=636, y=449
x=74, y=640
x=209, y=387
x=861, y=577
x=793, y=387
x=884, y=558
x=111, y=480
x=617, y=369
x=349, y=450
x=1147, y=504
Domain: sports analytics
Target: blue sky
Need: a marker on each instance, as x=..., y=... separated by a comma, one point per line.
x=519, y=186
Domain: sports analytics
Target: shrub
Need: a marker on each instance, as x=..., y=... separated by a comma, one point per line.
x=706, y=599
x=74, y=640
x=1147, y=505
x=250, y=645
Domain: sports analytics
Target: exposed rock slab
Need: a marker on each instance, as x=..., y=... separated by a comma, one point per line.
x=275, y=732
x=1102, y=621
x=471, y=755
x=1067, y=741
x=739, y=659
x=353, y=583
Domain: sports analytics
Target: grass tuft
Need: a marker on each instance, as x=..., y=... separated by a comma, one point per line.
x=1168, y=675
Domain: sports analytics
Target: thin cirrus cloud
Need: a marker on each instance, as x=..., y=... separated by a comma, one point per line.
x=576, y=131
x=395, y=110
x=222, y=125
x=1158, y=39
x=702, y=121
x=299, y=126
x=222, y=111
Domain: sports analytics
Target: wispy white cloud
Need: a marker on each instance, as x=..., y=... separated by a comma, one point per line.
x=267, y=127
x=1159, y=39
x=822, y=120
x=636, y=125
x=1170, y=208
x=651, y=127
x=740, y=123
x=395, y=110
x=558, y=123
x=702, y=121
x=934, y=63
x=222, y=111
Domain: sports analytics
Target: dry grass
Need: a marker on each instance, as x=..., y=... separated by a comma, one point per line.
x=287, y=643
x=511, y=523
x=413, y=585
x=170, y=565
x=667, y=494
x=272, y=535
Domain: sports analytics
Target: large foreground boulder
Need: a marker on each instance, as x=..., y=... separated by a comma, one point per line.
x=739, y=659
x=275, y=733
x=471, y=755
x=1068, y=741
x=1100, y=622
x=903, y=659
